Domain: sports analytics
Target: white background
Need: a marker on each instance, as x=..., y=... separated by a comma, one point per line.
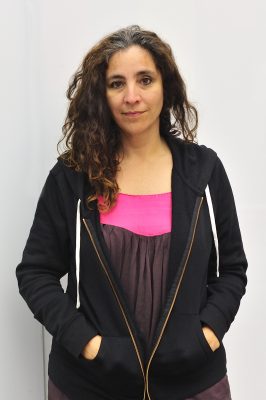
x=220, y=49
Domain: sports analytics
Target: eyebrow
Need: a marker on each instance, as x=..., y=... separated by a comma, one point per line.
x=139, y=73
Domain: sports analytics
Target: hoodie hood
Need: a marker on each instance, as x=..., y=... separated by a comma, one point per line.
x=194, y=163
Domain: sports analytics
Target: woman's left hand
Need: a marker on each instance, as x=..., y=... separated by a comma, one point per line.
x=211, y=338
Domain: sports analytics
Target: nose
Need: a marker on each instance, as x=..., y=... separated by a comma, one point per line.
x=131, y=95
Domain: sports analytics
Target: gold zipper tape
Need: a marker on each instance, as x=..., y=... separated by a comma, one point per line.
x=172, y=305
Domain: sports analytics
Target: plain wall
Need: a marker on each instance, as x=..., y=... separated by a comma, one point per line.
x=220, y=50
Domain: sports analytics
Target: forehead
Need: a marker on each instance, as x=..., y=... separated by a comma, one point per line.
x=132, y=59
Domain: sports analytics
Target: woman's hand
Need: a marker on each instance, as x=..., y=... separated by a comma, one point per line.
x=211, y=338
x=91, y=349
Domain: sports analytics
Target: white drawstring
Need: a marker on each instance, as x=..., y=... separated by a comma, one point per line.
x=213, y=225
x=78, y=251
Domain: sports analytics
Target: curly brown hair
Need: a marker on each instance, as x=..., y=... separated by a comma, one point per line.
x=90, y=134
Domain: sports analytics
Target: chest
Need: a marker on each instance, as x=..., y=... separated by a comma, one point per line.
x=145, y=177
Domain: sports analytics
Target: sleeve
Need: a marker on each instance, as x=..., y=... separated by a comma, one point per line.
x=226, y=290
x=46, y=258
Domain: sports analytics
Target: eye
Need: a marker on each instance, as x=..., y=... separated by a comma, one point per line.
x=115, y=84
x=146, y=80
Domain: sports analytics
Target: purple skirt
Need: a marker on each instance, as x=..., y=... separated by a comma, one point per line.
x=219, y=391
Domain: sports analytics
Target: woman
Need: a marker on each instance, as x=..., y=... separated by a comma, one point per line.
x=144, y=224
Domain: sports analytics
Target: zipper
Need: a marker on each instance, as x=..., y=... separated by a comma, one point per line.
x=146, y=375
x=118, y=300
x=174, y=298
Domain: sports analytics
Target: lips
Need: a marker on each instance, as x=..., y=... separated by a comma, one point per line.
x=133, y=113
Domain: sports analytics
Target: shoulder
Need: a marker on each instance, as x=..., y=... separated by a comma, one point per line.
x=63, y=171
x=70, y=182
x=60, y=166
x=192, y=149
x=193, y=162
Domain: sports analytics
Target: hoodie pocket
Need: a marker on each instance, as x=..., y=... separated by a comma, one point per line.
x=183, y=347
x=98, y=355
x=205, y=345
x=115, y=366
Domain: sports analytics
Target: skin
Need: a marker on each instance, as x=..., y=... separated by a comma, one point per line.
x=133, y=83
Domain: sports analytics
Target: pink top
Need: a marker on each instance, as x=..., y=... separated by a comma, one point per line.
x=145, y=214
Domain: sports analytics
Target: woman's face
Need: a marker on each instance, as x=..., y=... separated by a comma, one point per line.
x=134, y=91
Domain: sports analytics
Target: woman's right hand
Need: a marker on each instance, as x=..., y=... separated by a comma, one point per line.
x=91, y=349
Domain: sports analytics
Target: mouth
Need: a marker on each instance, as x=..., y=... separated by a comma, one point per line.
x=133, y=114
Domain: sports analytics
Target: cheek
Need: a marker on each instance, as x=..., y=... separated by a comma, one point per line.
x=157, y=101
x=156, y=97
x=113, y=104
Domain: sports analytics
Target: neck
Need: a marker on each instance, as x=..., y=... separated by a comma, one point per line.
x=143, y=147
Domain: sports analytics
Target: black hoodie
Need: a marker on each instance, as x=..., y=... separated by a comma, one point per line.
x=206, y=280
